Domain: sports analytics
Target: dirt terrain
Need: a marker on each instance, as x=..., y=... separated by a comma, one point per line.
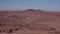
x=29, y=22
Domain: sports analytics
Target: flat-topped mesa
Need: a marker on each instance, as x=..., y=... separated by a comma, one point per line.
x=30, y=10
x=33, y=10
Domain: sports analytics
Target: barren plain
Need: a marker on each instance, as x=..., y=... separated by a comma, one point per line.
x=29, y=22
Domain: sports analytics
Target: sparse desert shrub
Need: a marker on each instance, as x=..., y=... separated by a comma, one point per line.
x=10, y=31
x=14, y=16
x=0, y=30
x=22, y=24
x=15, y=25
x=16, y=29
x=2, y=15
x=0, y=24
x=4, y=30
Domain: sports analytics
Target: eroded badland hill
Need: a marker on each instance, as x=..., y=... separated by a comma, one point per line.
x=29, y=22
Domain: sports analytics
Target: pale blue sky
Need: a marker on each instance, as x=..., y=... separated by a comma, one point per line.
x=51, y=5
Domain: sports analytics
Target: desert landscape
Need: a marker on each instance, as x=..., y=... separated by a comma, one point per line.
x=29, y=21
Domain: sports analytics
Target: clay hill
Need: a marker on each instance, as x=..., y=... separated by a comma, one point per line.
x=29, y=21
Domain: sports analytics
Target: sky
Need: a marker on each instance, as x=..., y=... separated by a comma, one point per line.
x=50, y=5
